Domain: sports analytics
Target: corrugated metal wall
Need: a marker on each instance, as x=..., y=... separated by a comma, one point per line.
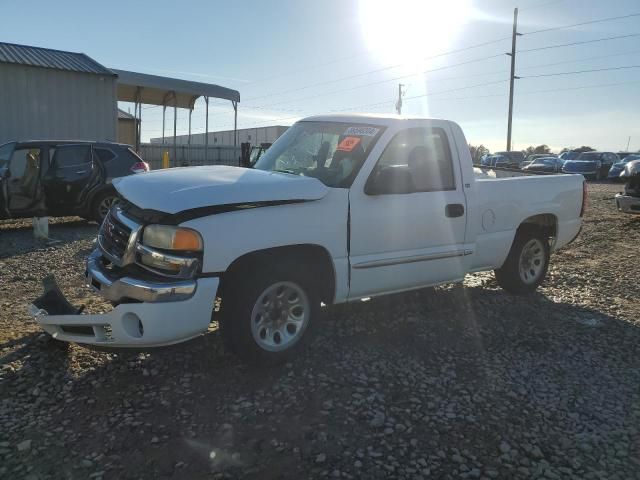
x=255, y=136
x=192, y=155
x=43, y=103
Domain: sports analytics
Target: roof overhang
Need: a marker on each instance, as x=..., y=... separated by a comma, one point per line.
x=157, y=90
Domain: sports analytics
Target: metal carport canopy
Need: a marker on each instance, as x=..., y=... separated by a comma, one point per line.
x=156, y=90
x=153, y=89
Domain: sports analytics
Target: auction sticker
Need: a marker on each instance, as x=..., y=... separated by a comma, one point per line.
x=348, y=144
x=362, y=131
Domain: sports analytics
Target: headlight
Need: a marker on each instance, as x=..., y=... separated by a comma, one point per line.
x=167, y=237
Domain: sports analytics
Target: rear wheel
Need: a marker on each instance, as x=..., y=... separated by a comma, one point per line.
x=527, y=263
x=266, y=319
x=102, y=204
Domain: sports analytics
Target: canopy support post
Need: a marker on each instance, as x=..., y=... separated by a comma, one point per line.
x=164, y=109
x=175, y=132
x=206, y=130
x=235, y=125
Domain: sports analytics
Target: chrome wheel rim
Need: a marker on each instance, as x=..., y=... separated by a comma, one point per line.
x=105, y=205
x=532, y=261
x=280, y=316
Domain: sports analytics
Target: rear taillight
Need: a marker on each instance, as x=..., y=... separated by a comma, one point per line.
x=585, y=198
x=140, y=167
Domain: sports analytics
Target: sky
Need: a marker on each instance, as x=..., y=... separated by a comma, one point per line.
x=294, y=58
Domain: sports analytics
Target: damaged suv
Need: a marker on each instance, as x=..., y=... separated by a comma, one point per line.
x=60, y=178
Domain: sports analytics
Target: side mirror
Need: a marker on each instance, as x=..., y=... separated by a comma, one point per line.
x=5, y=172
x=390, y=180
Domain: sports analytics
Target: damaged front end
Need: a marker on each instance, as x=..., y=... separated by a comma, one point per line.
x=629, y=201
x=159, y=297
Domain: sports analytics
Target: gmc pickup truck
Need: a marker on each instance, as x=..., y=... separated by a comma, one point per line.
x=340, y=208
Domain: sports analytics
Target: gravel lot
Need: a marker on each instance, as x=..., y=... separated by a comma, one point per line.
x=460, y=382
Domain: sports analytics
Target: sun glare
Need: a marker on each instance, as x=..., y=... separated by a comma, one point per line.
x=407, y=31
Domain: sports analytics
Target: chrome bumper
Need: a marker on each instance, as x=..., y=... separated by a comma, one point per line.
x=628, y=204
x=118, y=289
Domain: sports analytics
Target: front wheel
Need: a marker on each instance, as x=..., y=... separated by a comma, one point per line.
x=267, y=319
x=527, y=263
x=102, y=204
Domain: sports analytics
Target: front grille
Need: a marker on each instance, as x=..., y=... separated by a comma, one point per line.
x=114, y=236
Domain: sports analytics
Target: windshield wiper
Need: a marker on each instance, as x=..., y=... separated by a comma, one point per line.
x=285, y=171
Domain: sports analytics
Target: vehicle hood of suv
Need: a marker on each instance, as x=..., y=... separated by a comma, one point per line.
x=175, y=190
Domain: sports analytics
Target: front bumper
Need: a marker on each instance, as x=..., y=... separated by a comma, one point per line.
x=628, y=204
x=146, y=324
x=125, y=288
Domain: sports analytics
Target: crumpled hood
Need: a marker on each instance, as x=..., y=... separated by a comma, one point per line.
x=175, y=190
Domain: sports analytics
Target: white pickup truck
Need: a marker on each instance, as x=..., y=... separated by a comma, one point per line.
x=340, y=208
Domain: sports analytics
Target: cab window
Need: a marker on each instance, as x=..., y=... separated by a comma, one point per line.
x=422, y=157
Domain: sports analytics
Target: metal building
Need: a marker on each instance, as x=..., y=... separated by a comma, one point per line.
x=127, y=128
x=254, y=136
x=48, y=94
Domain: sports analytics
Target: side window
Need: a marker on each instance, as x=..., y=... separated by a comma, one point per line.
x=72, y=156
x=422, y=157
x=104, y=155
x=25, y=162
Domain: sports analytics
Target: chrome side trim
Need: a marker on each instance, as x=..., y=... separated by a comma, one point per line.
x=117, y=289
x=413, y=259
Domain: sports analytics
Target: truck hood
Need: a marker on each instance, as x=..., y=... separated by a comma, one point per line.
x=175, y=190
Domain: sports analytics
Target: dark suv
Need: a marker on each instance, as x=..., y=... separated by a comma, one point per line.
x=59, y=178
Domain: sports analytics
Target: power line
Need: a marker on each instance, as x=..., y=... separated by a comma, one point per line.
x=599, y=57
x=581, y=71
x=609, y=19
x=382, y=69
x=383, y=81
x=578, y=43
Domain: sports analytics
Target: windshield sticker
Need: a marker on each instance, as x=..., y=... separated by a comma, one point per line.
x=362, y=131
x=348, y=144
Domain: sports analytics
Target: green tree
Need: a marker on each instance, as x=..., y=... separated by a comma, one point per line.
x=581, y=149
x=477, y=151
x=539, y=149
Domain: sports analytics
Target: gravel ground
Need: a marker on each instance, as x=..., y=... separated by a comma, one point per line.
x=457, y=382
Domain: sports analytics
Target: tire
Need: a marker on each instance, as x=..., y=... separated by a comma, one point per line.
x=526, y=265
x=598, y=176
x=253, y=319
x=101, y=204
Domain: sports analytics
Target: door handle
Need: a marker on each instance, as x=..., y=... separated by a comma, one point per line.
x=454, y=210
x=80, y=172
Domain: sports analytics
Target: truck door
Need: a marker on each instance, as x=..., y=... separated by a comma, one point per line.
x=71, y=175
x=22, y=179
x=408, y=222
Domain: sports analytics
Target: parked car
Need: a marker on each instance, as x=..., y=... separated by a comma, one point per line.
x=59, y=178
x=544, y=164
x=629, y=200
x=606, y=159
x=516, y=158
x=570, y=155
x=529, y=160
x=499, y=161
x=618, y=167
x=341, y=207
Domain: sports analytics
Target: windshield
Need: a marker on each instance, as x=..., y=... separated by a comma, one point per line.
x=331, y=152
x=5, y=153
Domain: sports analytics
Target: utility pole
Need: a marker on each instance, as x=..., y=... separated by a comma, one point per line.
x=628, y=142
x=513, y=75
x=399, y=102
